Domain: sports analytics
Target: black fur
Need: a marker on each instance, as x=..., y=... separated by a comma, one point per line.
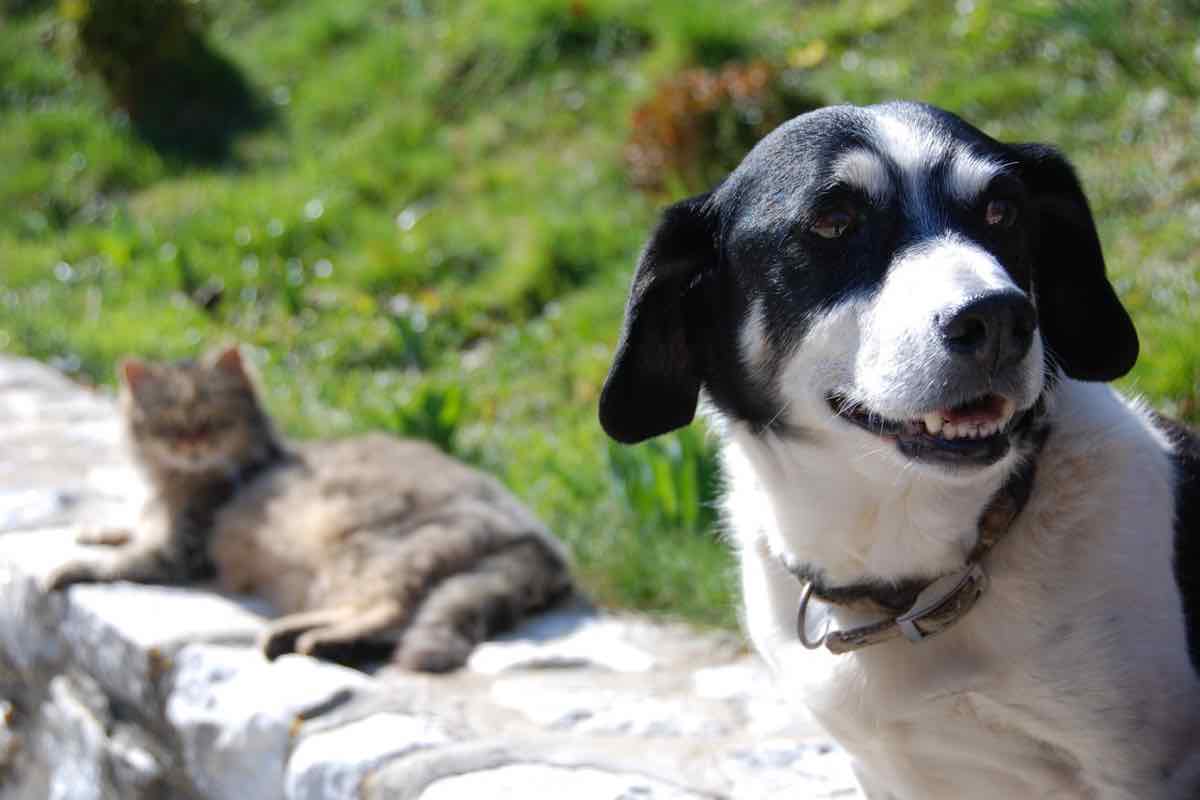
x=658, y=364
x=749, y=241
x=1084, y=325
x=1186, y=460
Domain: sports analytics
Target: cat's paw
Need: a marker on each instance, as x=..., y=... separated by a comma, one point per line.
x=104, y=537
x=337, y=644
x=277, y=641
x=280, y=636
x=433, y=650
x=71, y=573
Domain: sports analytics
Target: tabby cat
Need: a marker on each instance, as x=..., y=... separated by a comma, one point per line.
x=366, y=539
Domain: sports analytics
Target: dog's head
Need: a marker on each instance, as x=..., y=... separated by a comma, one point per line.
x=889, y=270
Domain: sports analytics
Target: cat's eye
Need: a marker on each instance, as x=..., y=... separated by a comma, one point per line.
x=1000, y=214
x=833, y=224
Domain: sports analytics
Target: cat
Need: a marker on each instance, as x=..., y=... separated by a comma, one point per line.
x=361, y=540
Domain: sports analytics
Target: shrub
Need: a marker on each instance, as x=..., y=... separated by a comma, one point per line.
x=125, y=41
x=154, y=59
x=701, y=122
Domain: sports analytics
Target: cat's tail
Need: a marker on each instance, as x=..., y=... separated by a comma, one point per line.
x=463, y=610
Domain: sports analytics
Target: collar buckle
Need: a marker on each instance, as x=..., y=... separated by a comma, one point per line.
x=940, y=605
x=943, y=603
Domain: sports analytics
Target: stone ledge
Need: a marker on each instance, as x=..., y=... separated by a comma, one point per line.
x=238, y=716
x=142, y=692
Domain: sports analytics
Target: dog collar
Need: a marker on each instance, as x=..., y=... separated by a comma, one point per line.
x=935, y=606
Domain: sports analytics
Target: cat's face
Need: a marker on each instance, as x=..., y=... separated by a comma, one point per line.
x=192, y=416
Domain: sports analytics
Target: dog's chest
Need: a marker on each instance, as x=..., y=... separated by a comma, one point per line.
x=937, y=734
x=986, y=710
x=1068, y=679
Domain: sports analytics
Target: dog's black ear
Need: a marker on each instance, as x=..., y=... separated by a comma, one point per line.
x=654, y=382
x=1083, y=322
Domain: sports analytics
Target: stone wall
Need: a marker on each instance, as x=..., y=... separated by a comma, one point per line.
x=142, y=692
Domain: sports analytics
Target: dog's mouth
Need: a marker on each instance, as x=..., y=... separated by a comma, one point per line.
x=977, y=432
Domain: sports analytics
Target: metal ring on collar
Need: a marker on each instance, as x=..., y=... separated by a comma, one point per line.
x=802, y=622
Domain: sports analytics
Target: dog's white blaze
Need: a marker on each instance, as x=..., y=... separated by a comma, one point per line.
x=916, y=150
x=913, y=149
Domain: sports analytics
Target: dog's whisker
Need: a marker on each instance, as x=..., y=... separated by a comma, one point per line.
x=778, y=414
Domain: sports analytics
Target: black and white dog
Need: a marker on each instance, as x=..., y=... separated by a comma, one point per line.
x=903, y=327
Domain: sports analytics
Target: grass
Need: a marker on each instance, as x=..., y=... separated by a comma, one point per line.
x=434, y=233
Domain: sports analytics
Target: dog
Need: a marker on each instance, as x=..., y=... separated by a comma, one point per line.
x=973, y=560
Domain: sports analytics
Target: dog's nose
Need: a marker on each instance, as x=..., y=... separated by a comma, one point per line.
x=995, y=329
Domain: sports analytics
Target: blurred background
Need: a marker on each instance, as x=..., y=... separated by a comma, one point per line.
x=421, y=215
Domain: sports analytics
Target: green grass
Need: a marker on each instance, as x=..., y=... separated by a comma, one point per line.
x=435, y=233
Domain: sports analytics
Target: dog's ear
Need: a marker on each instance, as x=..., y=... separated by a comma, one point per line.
x=1086, y=328
x=654, y=382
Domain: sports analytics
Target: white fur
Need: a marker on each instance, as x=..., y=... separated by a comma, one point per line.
x=970, y=174
x=900, y=365
x=1069, y=679
x=752, y=340
x=915, y=150
x=864, y=170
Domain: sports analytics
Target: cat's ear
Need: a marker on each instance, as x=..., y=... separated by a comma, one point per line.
x=229, y=361
x=133, y=372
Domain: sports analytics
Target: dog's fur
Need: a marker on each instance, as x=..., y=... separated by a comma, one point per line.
x=1072, y=677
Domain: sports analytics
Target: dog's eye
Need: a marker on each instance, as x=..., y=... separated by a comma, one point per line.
x=833, y=224
x=1000, y=213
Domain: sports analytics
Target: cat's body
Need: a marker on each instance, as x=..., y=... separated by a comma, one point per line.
x=362, y=540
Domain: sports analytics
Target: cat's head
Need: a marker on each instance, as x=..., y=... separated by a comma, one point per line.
x=193, y=415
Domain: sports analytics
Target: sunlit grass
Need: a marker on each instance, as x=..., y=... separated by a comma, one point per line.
x=435, y=234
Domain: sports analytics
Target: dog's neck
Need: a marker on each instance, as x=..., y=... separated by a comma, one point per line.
x=845, y=524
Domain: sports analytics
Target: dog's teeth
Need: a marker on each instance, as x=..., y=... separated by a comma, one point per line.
x=1007, y=409
x=986, y=429
x=949, y=431
x=933, y=422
